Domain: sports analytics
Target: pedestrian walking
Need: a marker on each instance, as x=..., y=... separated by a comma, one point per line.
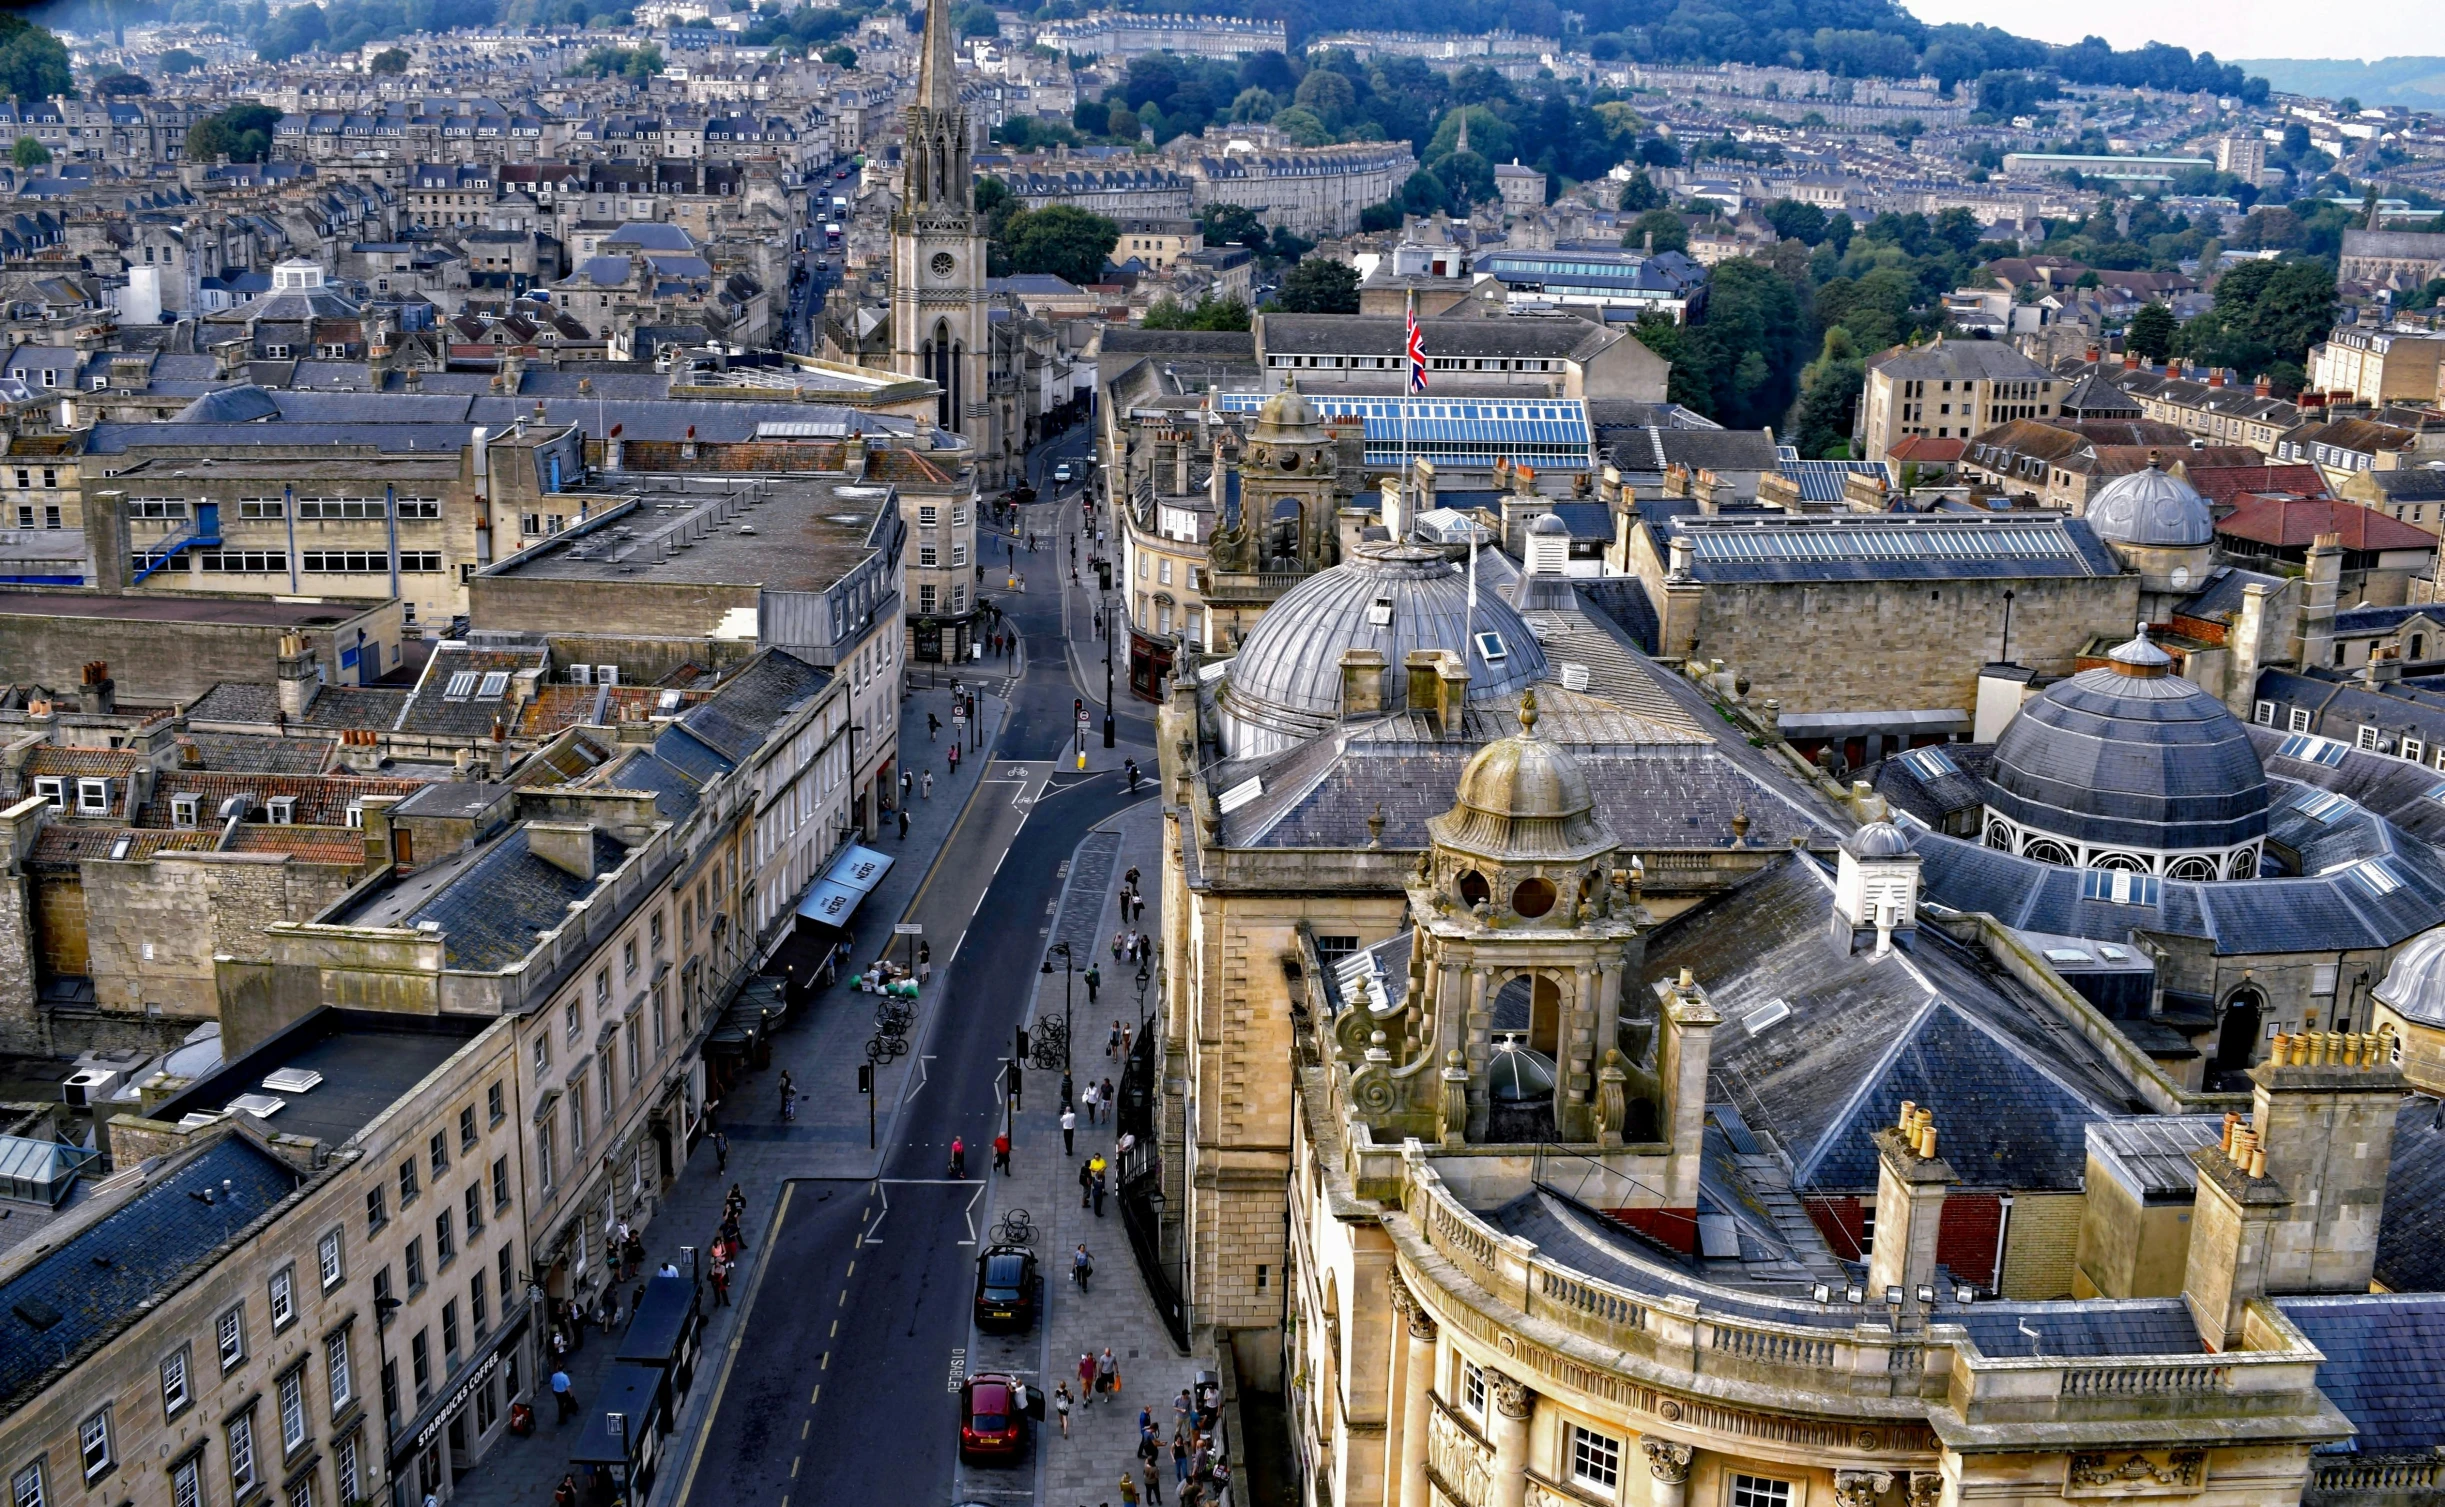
x=1131, y=878
x=1154, y=1482
x=925, y=786
x=954, y=758
x=908, y=782
x=563, y=1396
x=1099, y=1190
x=1129, y=1490
x=933, y=725
x=721, y=1153
x=1125, y=1034
x=565, y=1494
x=1180, y=1415
x=1095, y=980
x=959, y=1157
x=721, y=1284
x=1082, y=1266
x=1108, y=1372
x=1086, y=1379
x=1086, y=1182
x=1061, y=1407
x=1119, y=939
x=1069, y=1132
x=1103, y=1096
x=1001, y=1154
x=1112, y=1044
x=1086, y=1100
x=904, y=821
x=1180, y=1454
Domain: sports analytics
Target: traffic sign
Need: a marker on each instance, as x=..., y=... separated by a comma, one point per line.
x=907, y=929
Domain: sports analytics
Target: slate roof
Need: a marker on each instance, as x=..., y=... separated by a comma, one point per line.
x=2013, y=1086
x=2242, y=917
x=1779, y=546
x=102, y=1278
x=493, y=909
x=1567, y=337
x=741, y=714
x=1956, y=360
x=249, y=753
x=322, y=800
x=2411, y=1233
x=431, y=708
x=2385, y=1364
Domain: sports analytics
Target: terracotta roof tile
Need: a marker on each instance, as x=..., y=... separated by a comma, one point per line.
x=2286, y=522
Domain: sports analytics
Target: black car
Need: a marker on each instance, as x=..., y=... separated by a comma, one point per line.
x=1009, y=1290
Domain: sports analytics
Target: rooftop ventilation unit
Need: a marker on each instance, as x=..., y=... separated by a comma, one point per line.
x=293, y=1080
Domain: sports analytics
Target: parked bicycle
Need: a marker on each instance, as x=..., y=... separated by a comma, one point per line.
x=1014, y=1228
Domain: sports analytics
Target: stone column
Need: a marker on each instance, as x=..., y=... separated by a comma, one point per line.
x=1507, y=1483
x=1667, y=1471
x=1608, y=1008
x=1417, y=1387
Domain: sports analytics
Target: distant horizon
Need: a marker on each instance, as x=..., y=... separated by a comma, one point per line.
x=2235, y=32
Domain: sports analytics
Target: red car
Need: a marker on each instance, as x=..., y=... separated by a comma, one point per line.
x=993, y=1414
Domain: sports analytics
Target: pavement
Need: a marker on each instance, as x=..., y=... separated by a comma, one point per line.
x=859, y=1267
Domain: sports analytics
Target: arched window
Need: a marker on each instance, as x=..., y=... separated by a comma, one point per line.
x=2198, y=870
x=2047, y=850
x=2242, y=865
x=2419, y=647
x=1999, y=835
x=1472, y=886
x=2128, y=863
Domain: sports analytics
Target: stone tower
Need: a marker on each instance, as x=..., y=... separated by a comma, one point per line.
x=1288, y=497
x=939, y=329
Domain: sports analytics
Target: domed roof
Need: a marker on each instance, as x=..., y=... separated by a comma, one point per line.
x=2415, y=985
x=1524, y=798
x=1287, y=418
x=1548, y=523
x=2131, y=755
x=1877, y=840
x=1518, y=1075
x=2152, y=508
x=1284, y=686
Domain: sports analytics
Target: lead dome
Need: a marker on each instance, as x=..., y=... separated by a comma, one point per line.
x=2129, y=766
x=2154, y=509
x=1284, y=685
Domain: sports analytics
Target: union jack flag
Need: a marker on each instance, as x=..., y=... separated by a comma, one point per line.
x=1417, y=350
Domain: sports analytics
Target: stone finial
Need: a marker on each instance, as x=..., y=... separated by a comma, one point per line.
x=1528, y=712
x=1740, y=828
x=1375, y=826
x=1612, y=1101
x=1453, y=1105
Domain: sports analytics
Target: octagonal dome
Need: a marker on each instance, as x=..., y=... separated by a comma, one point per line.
x=2153, y=509
x=2130, y=757
x=1523, y=799
x=1284, y=685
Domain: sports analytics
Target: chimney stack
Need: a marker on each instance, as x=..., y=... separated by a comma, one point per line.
x=1910, y=1184
x=299, y=679
x=97, y=694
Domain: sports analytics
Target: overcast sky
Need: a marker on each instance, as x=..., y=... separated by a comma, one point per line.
x=2232, y=29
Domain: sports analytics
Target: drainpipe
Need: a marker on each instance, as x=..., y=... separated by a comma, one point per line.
x=288, y=510
x=390, y=519
x=2003, y=1226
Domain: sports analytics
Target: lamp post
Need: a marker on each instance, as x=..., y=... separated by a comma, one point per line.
x=383, y=1309
x=1068, y=967
x=1108, y=637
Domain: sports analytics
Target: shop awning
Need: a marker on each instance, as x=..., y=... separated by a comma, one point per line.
x=834, y=898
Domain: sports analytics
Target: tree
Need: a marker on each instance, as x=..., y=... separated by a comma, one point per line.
x=1318, y=286
x=392, y=60
x=179, y=60
x=1671, y=232
x=2150, y=336
x=1063, y=240
x=1829, y=394
x=1328, y=96
x=1303, y=126
x=1208, y=313
x=1231, y=225
x=841, y=55
x=33, y=64
x=1795, y=221
x=242, y=133
x=2265, y=318
x=1378, y=218
x=1640, y=194
x=300, y=28
x=30, y=153
x=122, y=86
x=1255, y=105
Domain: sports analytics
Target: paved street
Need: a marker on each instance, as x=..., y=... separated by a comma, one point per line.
x=834, y=1377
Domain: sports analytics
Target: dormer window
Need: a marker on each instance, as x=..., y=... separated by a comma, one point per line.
x=281, y=810
x=93, y=797
x=185, y=809
x=461, y=686
x=53, y=789
x=495, y=682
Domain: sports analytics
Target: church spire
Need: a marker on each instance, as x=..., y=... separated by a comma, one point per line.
x=1462, y=144
x=938, y=72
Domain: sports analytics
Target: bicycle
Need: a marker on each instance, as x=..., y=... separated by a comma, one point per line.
x=893, y=1019
x=885, y=1048
x=1014, y=1228
x=1048, y=1044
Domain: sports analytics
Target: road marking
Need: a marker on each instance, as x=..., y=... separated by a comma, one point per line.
x=795, y=1462
x=808, y=1426
x=970, y=1213
x=835, y=1334
x=826, y=1363
x=813, y=1396
x=851, y=1272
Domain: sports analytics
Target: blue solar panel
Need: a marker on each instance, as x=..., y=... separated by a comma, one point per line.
x=1546, y=432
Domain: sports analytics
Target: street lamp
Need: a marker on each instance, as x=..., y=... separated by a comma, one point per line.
x=383, y=1309
x=1068, y=967
x=1108, y=637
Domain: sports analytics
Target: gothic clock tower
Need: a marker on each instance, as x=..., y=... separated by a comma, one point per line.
x=938, y=326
